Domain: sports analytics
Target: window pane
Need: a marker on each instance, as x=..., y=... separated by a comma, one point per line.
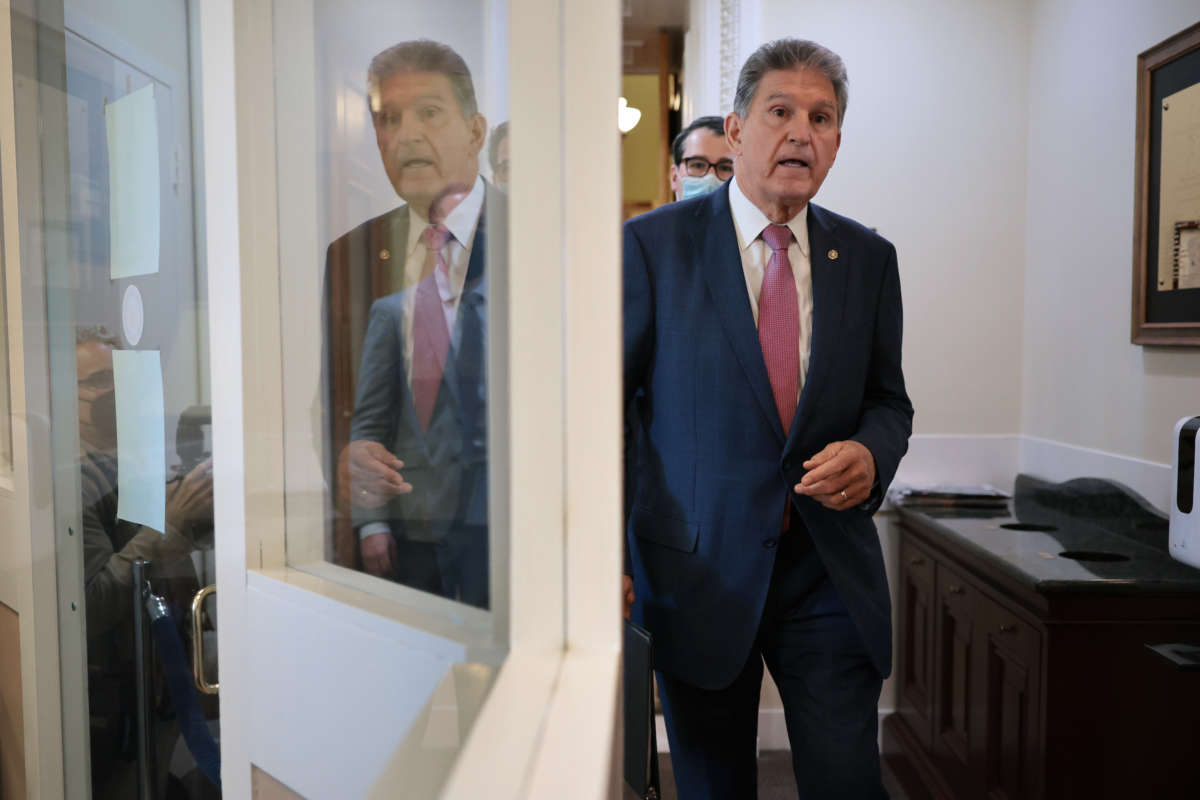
x=393, y=170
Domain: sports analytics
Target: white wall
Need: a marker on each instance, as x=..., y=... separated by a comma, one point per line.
x=934, y=156
x=1084, y=383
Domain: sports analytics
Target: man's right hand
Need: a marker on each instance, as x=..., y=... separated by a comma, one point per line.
x=379, y=554
x=191, y=499
x=627, y=597
x=374, y=475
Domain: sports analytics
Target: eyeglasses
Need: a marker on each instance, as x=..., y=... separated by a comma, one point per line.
x=698, y=167
x=101, y=381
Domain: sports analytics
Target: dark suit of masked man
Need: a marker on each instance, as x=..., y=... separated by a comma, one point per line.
x=764, y=333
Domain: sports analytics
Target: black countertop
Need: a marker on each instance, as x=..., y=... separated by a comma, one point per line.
x=1086, y=535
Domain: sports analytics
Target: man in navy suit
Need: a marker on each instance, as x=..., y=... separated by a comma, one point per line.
x=764, y=335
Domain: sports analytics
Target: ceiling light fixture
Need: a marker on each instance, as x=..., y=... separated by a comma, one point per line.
x=627, y=116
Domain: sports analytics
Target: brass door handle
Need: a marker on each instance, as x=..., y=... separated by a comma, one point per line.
x=198, y=641
x=955, y=589
x=1007, y=628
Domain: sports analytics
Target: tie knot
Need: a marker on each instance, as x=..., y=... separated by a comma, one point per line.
x=777, y=237
x=435, y=237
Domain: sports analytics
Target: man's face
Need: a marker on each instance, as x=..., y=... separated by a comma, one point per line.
x=97, y=412
x=787, y=142
x=700, y=143
x=425, y=142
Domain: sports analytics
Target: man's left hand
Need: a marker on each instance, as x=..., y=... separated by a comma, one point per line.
x=840, y=476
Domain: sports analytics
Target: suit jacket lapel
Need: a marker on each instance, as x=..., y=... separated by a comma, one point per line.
x=721, y=262
x=387, y=244
x=473, y=286
x=829, y=277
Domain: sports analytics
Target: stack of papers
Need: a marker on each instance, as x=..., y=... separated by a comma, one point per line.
x=950, y=496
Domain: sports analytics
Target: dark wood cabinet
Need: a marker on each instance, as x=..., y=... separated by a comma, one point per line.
x=916, y=674
x=1008, y=691
x=957, y=680
x=1011, y=669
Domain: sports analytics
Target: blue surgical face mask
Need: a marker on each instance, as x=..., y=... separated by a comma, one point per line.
x=695, y=187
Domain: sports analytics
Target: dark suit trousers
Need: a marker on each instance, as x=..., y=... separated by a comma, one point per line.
x=829, y=687
x=456, y=567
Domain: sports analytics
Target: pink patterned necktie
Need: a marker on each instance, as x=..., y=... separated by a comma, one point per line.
x=431, y=338
x=779, y=324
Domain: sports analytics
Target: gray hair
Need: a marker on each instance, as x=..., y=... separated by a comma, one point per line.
x=423, y=55
x=714, y=125
x=791, y=54
x=95, y=334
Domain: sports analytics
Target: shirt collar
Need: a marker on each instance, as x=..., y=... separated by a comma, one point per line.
x=460, y=222
x=749, y=221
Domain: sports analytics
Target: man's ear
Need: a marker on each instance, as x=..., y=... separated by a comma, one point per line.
x=478, y=131
x=675, y=178
x=733, y=133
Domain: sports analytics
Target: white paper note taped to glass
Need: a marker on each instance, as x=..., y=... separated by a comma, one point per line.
x=133, y=184
x=141, y=454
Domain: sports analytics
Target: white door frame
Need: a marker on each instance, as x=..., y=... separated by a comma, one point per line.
x=548, y=728
x=28, y=546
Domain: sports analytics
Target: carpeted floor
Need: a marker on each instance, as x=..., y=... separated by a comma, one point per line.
x=775, y=780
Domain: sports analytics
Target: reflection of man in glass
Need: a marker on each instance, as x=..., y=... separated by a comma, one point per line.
x=417, y=465
x=110, y=547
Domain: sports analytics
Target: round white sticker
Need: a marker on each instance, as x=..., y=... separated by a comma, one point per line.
x=133, y=315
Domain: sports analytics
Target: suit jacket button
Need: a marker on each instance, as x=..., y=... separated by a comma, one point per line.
x=769, y=543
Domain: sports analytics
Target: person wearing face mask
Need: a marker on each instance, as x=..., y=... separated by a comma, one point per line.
x=702, y=158
x=110, y=547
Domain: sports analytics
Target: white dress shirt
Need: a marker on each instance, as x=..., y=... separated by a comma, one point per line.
x=749, y=222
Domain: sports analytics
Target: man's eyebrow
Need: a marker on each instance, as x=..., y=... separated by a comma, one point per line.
x=421, y=98
x=823, y=102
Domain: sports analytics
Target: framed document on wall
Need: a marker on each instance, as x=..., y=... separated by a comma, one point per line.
x=1166, y=234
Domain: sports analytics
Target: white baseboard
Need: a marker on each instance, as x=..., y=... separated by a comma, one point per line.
x=1058, y=461
x=772, y=730
x=997, y=458
x=961, y=458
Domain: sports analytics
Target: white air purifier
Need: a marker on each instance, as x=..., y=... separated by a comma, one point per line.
x=1185, y=494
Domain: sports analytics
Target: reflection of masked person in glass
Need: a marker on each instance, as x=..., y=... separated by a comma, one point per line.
x=417, y=465
x=110, y=547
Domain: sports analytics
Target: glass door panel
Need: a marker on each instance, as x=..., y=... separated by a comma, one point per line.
x=379, y=235
x=384, y=141
x=109, y=235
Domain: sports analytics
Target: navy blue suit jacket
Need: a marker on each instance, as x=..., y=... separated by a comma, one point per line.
x=712, y=469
